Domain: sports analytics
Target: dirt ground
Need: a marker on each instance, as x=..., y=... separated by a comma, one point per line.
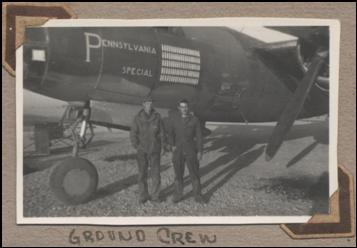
x=235, y=177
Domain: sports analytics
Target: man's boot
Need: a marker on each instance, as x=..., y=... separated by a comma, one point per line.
x=177, y=197
x=199, y=198
x=143, y=199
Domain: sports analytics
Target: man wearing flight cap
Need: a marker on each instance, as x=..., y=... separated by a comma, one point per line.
x=147, y=136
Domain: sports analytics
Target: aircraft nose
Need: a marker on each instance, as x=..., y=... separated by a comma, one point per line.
x=35, y=58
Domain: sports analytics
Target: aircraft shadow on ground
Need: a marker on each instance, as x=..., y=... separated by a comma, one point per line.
x=236, y=142
x=121, y=157
x=122, y=184
x=302, y=154
x=32, y=165
x=301, y=188
x=35, y=163
x=93, y=144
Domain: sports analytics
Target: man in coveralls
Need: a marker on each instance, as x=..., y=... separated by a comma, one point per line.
x=147, y=136
x=185, y=137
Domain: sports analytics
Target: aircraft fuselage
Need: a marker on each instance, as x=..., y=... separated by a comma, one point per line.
x=223, y=80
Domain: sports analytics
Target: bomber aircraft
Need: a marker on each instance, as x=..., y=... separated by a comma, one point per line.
x=229, y=74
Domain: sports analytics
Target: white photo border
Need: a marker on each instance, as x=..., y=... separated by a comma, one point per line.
x=334, y=31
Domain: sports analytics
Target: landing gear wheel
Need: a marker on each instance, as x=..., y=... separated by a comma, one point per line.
x=74, y=180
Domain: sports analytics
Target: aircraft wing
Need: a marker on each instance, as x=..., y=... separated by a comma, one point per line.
x=265, y=38
x=314, y=35
x=277, y=37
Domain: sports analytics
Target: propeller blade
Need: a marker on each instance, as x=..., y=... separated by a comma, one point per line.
x=294, y=106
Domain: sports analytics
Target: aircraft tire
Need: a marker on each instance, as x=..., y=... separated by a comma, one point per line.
x=74, y=180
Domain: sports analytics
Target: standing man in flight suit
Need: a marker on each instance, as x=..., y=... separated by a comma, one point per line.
x=147, y=136
x=185, y=137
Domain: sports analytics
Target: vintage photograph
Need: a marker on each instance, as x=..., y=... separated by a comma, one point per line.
x=229, y=120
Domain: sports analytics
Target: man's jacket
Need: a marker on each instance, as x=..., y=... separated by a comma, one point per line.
x=185, y=133
x=147, y=132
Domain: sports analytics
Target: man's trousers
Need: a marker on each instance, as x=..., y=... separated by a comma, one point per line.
x=144, y=160
x=179, y=159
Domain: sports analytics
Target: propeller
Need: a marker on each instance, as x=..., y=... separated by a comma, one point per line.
x=294, y=106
